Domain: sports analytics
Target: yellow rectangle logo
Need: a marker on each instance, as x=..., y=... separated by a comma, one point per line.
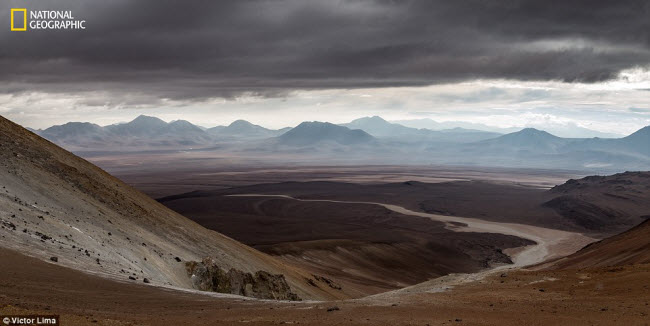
x=24, y=11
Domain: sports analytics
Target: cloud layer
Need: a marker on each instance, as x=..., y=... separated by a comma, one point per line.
x=193, y=50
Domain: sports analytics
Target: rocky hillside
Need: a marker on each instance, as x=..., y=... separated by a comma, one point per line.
x=59, y=207
x=596, y=199
x=603, y=203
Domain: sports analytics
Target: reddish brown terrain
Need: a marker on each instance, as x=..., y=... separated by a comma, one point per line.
x=631, y=247
x=71, y=235
x=590, y=296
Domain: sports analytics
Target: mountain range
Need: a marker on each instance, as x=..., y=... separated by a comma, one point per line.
x=370, y=139
x=381, y=128
x=142, y=132
x=538, y=141
x=569, y=130
x=536, y=148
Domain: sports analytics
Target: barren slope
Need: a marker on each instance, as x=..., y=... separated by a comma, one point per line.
x=589, y=297
x=630, y=247
x=54, y=204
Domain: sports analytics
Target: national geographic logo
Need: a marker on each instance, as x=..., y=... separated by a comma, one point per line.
x=16, y=16
x=44, y=20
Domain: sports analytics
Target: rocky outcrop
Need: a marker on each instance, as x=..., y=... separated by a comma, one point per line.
x=208, y=276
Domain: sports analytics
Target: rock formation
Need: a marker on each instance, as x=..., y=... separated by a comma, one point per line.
x=206, y=275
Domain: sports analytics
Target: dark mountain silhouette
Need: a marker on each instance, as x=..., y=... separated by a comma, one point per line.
x=308, y=133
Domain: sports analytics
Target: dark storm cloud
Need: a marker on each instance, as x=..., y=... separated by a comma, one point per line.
x=198, y=49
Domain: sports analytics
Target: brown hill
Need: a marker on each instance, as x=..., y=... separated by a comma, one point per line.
x=608, y=204
x=630, y=247
x=55, y=204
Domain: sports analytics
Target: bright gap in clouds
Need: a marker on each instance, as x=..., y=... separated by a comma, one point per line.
x=618, y=106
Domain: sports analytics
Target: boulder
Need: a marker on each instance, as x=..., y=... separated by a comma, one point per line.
x=206, y=275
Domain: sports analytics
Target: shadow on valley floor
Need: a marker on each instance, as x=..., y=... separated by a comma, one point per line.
x=380, y=250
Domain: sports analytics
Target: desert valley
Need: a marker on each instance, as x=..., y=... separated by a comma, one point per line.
x=216, y=237
x=319, y=162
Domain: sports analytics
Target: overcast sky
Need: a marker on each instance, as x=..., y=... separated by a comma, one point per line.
x=278, y=62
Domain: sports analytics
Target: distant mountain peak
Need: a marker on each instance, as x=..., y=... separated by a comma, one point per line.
x=379, y=127
x=532, y=132
x=240, y=123
x=310, y=132
x=374, y=119
x=181, y=122
x=79, y=124
x=528, y=139
x=243, y=129
x=314, y=123
x=146, y=121
x=184, y=125
x=142, y=118
x=152, y=131
x=243, y=126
